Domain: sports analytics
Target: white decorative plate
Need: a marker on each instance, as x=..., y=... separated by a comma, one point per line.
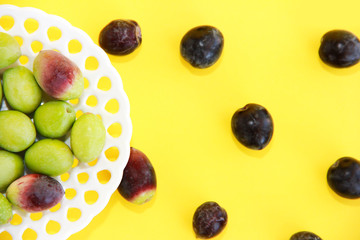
x=88, y=187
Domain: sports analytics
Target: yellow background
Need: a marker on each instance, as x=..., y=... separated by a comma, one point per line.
x=181, y=116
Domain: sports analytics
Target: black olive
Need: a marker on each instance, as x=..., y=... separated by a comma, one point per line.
x=339, y=48
x=120, y=37
x=209, y=220
x=252, y=126
x=202, y=46
x=343, y=177
x=304, y=235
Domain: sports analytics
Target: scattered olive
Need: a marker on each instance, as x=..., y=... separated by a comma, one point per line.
x=202, y=46
x=209, y=220
x=252, y=126
x=339, y=48
x=343, y=177
x=138, y=184
x=120, y=37
x=305, y=235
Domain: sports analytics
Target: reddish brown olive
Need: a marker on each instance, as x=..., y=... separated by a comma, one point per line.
x=120, y=37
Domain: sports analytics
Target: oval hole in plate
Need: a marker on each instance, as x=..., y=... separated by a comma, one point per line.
x=29, y=234
x=91, y=101
x=55, y=208
x=112, y=106
x=115, y=130
x=53, y=33
x=36, y=216
x=74, y=46
x=91, y=197
x=75, y=163
x=104, y=84
x=20, y=40
x=83, y=177
x=36, y=46
x=79, y=113
x=64, y=177
x=23, y=59
x=73, y=214
x=104, y=176
x=93, y=163
x=70, y=193
x=31, y=25
x=16, y=220
x=91, y=63
x=5, y=236
x=53, y=227
x=7, y=22
x=112, y=153
x=74, y=101
x=86, y=83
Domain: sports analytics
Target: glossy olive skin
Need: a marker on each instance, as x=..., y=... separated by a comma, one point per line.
x=343, y=177
x=35, y=192
x=340, y=49
x=202, y=46
x=209, y=220
x=252, y=126
x=120, y=37
x=138, y=184
x=305, y=235
x=10, y=50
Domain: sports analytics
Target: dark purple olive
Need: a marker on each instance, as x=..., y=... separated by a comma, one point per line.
x=35, y=192
x=202, y=46
x=304, y=235
x=343, y=177
x=120, y=37
x=138, y=184
x=252, y=126
x=339, y=48
x=209, y=220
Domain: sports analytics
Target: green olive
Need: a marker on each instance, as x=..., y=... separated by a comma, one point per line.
x=21, y=89
x=9, y=50
x=54, y=119
x=11, y=168
x=87, y=137
x=17, y=131
x=51, y=157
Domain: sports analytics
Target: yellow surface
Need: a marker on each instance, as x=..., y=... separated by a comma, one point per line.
x=181, y=117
